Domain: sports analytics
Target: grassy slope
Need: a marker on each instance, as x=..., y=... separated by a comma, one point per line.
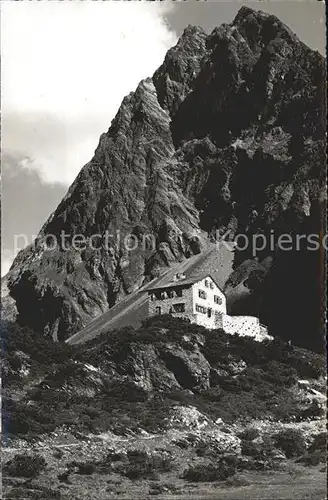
x=289, y=481
x=267, y=386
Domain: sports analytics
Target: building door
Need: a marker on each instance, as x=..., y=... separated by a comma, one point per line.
x=158, y=310
x=209, y=312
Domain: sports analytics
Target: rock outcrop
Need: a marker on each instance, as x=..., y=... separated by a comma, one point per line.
x=227, y=136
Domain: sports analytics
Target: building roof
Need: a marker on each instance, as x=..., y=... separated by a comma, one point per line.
x=170, y=282
x=133, y=309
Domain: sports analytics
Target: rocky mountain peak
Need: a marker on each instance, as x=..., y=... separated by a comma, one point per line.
x=252, y=23
x=174, y=78
x=227, y=135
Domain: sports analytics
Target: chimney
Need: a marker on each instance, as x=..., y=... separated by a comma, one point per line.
x=179, y=276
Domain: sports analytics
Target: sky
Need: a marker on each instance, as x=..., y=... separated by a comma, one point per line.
x=66, y=66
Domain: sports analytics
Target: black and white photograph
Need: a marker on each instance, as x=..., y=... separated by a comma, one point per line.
x=163, y=250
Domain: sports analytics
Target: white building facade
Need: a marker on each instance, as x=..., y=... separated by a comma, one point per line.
x=200, y=300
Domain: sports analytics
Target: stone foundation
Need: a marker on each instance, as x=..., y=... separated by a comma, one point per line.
x=245, y=326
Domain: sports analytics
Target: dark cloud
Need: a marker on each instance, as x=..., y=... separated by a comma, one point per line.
x=26, y=202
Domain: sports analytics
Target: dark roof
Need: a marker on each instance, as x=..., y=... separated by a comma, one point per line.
x=169, y=282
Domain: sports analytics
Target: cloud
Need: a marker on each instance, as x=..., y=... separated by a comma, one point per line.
x=55, y=147
x=5, y=265
x=26, y=202
x=66, y=67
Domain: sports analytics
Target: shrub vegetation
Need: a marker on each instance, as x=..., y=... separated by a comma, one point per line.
x=29, y=466
x=260, y=389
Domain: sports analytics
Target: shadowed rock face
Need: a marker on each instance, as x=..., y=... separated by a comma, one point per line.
x=227, y=135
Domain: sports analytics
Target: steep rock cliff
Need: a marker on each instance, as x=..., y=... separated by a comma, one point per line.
x=227, y=136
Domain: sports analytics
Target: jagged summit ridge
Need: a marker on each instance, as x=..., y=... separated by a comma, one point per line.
x=178, y=162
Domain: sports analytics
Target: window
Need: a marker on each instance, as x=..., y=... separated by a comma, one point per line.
x=178, y=292
x=170, y=294
x=200, y=309
x=158, y=310
x=217, y=299
x=202, y=294
x=179, y=308
x=163, y=295
x=206, y=283
x=211, y=286
x=152, y=297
